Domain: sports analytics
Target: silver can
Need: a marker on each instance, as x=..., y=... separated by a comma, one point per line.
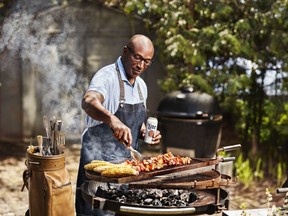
x=151, y=127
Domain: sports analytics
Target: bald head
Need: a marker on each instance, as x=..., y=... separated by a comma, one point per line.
x=141, y=42
x=137, y=56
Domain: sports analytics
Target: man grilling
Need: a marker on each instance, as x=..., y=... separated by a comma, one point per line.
x=115, y=103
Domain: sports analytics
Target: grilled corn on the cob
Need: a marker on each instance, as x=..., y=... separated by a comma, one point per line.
x=100, y=169
x=90, y=166
x=120, y=171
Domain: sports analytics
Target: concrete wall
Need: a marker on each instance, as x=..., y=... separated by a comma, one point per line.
x=11, y=97
x=49, y=54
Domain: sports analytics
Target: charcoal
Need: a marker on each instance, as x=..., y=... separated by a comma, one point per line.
x=184, y=197
x=175, y=192
x=180, y=203
x=171, y=196
x=122, y=199
x=143, y=195
x=158, y=193
x=165, y=191
x=150, y=197
x=148, y=201
x=157, y=202
x=166, y=202
x=174, y=202
x=192, y=197
x=129, y=193
x=123, y=187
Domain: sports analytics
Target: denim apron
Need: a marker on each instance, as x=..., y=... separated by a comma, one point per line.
x=98, y=143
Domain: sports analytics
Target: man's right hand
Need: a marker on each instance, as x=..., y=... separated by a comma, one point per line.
x=121, y=132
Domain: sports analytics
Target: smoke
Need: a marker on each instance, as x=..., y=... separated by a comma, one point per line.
x=51, y=49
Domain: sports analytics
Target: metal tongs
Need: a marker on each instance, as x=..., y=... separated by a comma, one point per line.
x=135, y=154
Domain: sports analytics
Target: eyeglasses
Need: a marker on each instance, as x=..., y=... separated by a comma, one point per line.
x=138, y=58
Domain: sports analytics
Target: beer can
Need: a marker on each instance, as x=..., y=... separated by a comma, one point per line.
x=151, y=127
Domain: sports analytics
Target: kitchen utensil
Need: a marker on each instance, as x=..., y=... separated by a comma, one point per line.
x=48, y=141
x=229, y=148
x=31, y=147
x=53, y=121
x=46, y=146
x=135, y=154
x=40, y=144
x=46, y=126
x=60, y=142
x=59, y=125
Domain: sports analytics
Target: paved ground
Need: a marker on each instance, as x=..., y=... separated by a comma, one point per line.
x=13, y=202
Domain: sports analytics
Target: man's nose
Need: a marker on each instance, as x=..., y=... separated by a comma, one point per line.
x=141, y=64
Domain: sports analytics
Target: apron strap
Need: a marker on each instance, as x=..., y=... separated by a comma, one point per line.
x=122, y=92
x=121, y=83
x=140, y=93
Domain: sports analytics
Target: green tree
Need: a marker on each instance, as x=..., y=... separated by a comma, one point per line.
x=227, y=48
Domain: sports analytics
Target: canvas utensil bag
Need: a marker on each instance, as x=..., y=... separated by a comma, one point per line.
x=49, y=186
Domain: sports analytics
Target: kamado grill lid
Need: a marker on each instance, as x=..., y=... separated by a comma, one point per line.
x=187, y=103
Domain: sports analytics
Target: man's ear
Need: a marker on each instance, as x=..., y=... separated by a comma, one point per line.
x=125, y=49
